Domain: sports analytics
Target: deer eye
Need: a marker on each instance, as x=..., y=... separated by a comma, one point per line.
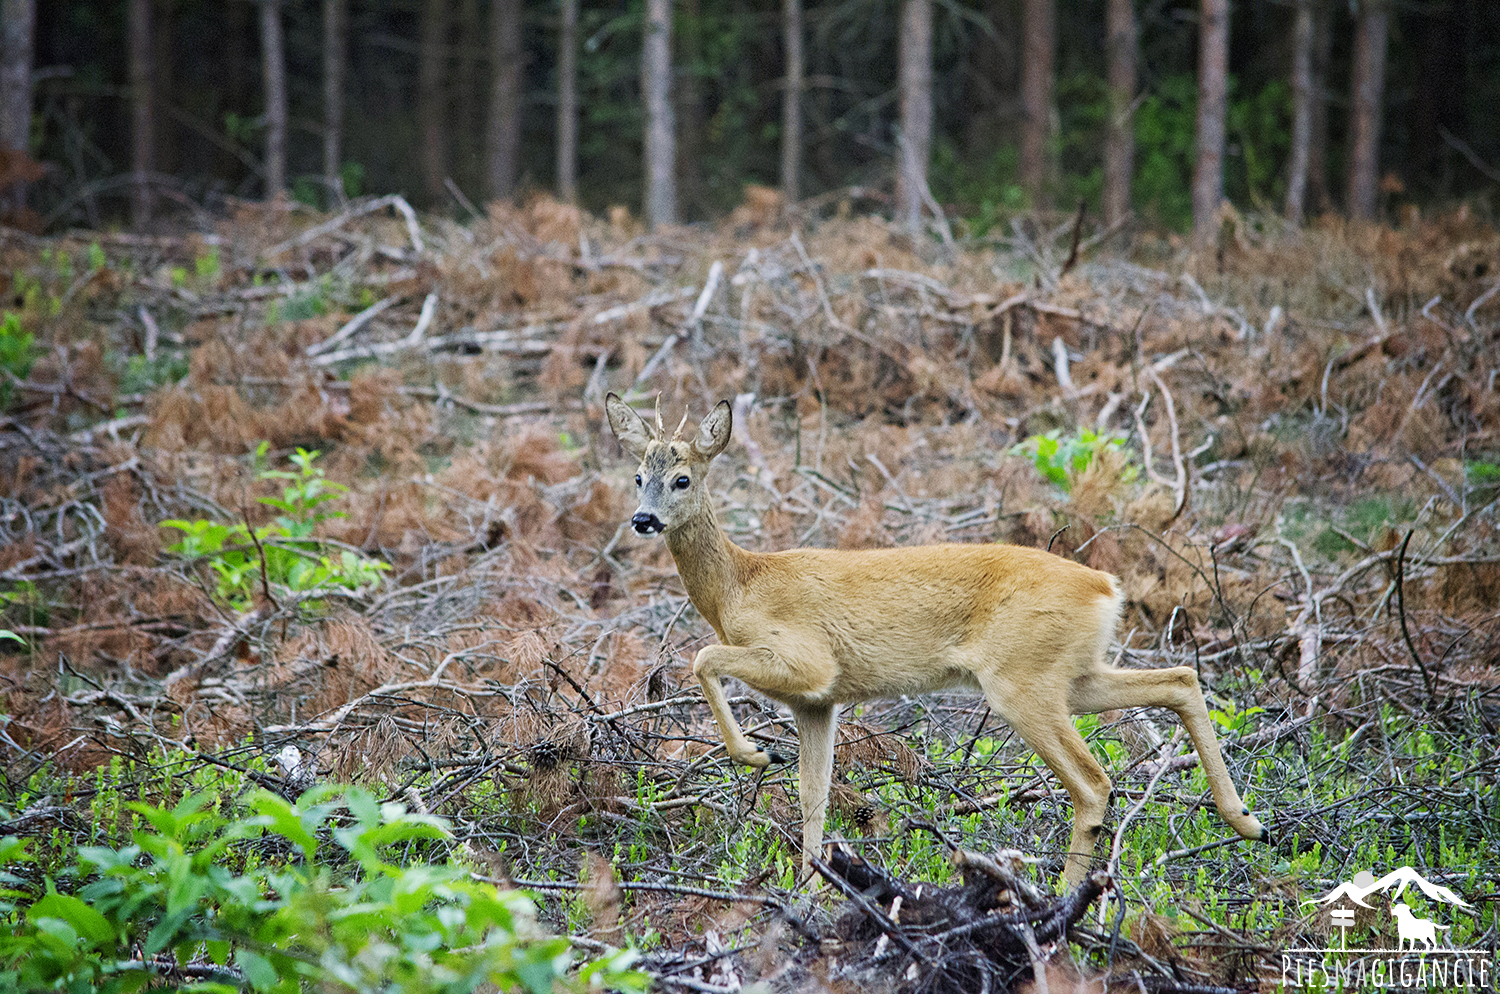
x=637, y=479
x=683, y=482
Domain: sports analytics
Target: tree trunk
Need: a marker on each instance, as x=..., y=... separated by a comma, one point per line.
x=1318, y=199
x=1038, y=44
x=335, y=47
x=468, y=128
x=17, y=48
x=1119, y=138
x=164, y=149
x=142, y=107
x=1367, y=81
x=273, y=58
x=791, y=101
x=567, y=104
x=503, y=147
x=1213, y=93
x=656, y=88
x=915, y=59
x=1303, y=96
x=691, y=117
x=432, y=116
x=17, y=51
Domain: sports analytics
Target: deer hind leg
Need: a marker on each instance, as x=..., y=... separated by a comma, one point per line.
x=1051, y=735
x=815, y=736
x=1177, y=689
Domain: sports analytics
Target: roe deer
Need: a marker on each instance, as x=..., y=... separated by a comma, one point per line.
x=816, y=628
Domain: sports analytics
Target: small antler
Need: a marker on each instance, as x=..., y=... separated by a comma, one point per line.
x=660, y=429
x=677, y=435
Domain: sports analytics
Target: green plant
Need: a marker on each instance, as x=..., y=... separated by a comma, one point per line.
x=17, y=353
x=352, y=175
x=1061, y=459
x=206, y=266
x=1483, y=478
x=283, y=553
x=142, y=375
x=1233, y=719
x=188, y=893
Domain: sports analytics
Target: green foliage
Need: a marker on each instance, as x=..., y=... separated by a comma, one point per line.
x=284, y=925
x=1061, y=459
x=353, y=176
x=17, y=352
x=1259, y=133
x=206, y=266
x=240, y=129
x=142, y=375
x=1165, y=126
x=1483, y=478
x=285, y=549
x=987, y=189
x=1233, y=719
x=1257, y=136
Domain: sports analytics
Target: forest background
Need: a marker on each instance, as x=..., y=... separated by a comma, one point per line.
x=1314, y=105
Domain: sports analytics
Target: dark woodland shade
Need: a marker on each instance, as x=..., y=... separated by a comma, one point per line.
x=423, y=104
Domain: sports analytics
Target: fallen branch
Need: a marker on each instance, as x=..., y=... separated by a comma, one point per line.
x=353, y=325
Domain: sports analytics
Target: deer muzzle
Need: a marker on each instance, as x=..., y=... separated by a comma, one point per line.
x=647, y=524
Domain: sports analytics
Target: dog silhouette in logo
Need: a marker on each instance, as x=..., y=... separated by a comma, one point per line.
x=1410, y=927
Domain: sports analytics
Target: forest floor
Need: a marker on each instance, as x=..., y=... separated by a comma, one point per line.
x=1287, y=448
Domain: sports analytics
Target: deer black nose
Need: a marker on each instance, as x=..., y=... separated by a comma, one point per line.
x=647, y=524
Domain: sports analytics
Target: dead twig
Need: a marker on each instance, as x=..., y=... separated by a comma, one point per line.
x=1411, y=647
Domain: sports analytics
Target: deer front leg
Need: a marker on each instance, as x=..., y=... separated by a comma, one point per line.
x=714, y=661
x=807, y=678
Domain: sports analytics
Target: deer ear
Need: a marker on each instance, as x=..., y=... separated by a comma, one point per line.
x=713, y=432
x=632, y=431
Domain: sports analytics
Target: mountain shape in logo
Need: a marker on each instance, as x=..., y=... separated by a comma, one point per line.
x=1364, y=884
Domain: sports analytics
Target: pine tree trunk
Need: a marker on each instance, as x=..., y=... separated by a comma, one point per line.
x=503, y=146
x=273, y=59
x=1303, y=96
x=1213, y=93
x=1119, y=138
x=691, y=114
x=915, y=58
x=335, y=46
x=656, y=88
x=1318, y=199
x=567, y=104
x=1038, y=45
x=791, y=101
x=468, y=128
x=17, y=53
x=142, y=107
x=432, y=106
x=1367, y=82
x=164, y=138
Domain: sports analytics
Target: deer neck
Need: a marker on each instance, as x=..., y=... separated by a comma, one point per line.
x=708, y=563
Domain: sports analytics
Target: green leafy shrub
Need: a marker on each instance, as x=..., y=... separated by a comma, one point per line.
x=246, y=904
x=1061, y=459
x=17, y=353
x=291, y=557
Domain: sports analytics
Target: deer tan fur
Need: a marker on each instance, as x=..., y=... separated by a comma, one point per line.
x=818, y=628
